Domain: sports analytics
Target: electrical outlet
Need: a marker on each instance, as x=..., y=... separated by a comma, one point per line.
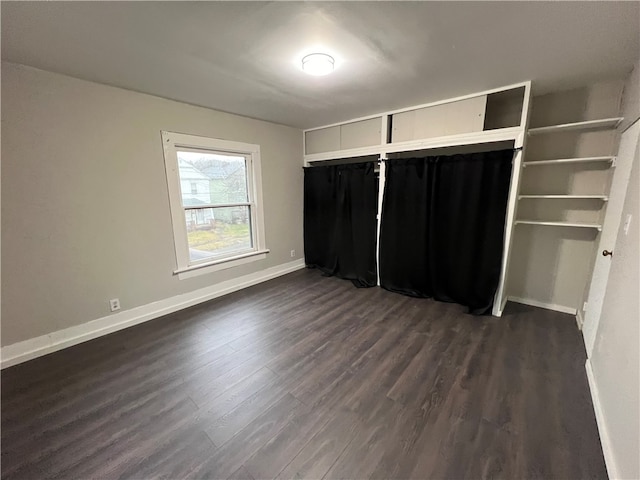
x=114, y=304
x=293, y=253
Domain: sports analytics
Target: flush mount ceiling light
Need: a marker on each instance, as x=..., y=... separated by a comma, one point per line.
x=318, y=64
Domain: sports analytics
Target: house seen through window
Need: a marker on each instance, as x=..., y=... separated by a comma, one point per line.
x=216, y=204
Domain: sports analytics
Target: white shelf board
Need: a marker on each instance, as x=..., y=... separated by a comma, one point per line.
x=602, y=124
x=604, y=198
x=560, y=224
x=568, y=160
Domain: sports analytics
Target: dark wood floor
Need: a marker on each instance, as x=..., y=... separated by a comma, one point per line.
x=308, y=377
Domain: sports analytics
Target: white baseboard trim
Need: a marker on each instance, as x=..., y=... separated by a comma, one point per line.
x=51, y=342
x=548, y=306
x=607, y=450
x=579, y=320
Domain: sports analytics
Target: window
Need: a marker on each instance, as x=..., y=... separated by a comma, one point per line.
x=216, y=202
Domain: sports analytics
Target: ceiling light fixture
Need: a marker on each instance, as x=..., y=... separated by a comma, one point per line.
x=318, y=64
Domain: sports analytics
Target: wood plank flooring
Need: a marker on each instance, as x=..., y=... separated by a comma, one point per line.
x=306, y=376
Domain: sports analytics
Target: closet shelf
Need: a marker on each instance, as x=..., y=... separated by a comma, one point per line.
x=560, y=224
x=602, y=124
x=568, y=160
x=604, y=198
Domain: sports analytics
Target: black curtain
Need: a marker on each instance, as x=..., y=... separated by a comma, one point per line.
x=443, y=225
x=340, y=208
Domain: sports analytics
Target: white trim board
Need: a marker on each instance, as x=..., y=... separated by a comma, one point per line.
x=548, y=306
x=579, y=320
x=607, y=451
x=514, y=134
x=52, y=342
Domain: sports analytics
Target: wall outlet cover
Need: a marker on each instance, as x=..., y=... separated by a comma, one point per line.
x=114, y=304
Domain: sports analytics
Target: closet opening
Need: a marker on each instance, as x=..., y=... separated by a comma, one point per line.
x=429, y=223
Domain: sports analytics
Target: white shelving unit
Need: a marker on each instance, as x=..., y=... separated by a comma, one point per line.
x=602, y=124
x=564, y=161
x=567, y=170
x=560, y=224
x=585, y=126
x=604, y=198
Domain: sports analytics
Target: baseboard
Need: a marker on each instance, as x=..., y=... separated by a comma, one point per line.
x=548, y=306
x=607, y=451
x=38, y=346
x=579, y=320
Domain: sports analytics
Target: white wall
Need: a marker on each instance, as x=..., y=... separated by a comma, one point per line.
x=631, y=97
x=85, y=210
x=615, y=361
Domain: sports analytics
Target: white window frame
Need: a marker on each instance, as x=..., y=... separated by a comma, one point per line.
x=185, y=268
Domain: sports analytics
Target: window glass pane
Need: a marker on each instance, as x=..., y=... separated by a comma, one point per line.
x=218, y=231
x=212, y=178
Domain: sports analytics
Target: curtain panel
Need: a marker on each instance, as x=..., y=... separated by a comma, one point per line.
x=340, y=209
x=442, y=227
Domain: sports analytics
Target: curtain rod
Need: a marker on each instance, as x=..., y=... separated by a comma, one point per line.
x=377, y=160
x=380, y=159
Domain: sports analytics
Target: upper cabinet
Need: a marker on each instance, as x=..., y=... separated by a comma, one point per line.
x=463, y=116
x=475, y=118
x=364, y=133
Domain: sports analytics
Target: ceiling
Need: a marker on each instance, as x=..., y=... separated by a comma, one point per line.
x=243, y=57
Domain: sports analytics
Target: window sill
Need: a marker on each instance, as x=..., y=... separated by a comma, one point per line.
x=221, y=264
